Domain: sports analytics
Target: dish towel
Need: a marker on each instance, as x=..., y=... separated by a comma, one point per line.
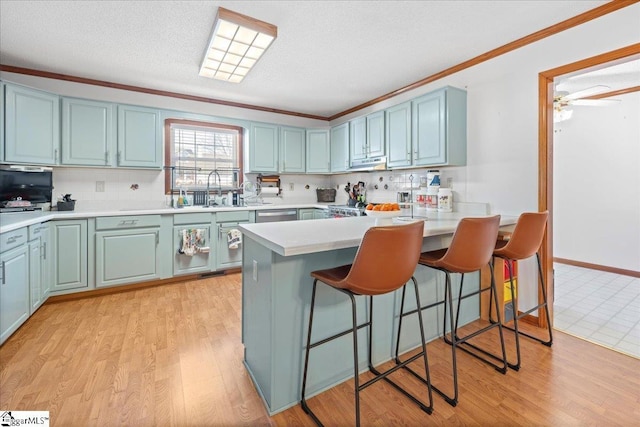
x=193, y=241
x=234, y=238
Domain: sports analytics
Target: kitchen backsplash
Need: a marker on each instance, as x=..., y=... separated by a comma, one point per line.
x=118, y=189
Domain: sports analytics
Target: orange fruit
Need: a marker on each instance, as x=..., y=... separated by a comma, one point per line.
x=369, y=207
x=396, y=207
x=377, y=208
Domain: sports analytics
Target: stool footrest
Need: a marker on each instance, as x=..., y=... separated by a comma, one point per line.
x=451, y=401
x=548, y=343
x=338, y=335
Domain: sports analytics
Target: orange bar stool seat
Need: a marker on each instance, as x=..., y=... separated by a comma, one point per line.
x=385, y=261
x=524, y=243
x=470, y=250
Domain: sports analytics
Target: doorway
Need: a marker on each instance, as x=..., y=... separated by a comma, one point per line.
x=546, y=148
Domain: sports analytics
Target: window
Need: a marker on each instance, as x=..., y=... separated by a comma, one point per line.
x=194, y=150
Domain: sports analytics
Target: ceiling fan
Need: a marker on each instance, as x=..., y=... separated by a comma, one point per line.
x=562, y=100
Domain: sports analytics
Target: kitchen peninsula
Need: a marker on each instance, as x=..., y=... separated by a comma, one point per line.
x=276, y=294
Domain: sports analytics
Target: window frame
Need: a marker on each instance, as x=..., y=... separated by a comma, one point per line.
x=168, y=147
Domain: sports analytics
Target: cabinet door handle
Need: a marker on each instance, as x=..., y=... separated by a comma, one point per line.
x=12, y=239
x=119, y=156
x=106, y=157
x=55, y=154
x=44, y=250
x=157, y=238
x=3, y=272
x=127, y=222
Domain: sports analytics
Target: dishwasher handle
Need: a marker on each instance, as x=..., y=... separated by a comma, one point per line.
x=280, y=213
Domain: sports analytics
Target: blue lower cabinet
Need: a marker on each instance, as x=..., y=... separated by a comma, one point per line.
x=192, y=249
x=69, y=240
x=14, y=290
x=127, y=256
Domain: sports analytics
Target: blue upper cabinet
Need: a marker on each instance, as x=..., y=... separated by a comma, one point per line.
x=88, y=132
x=398, y=131
x=366, y=136
x=32, y=126
x=340, y=148
x=358, y=138
x=263, y=148
x=318, y=151
x=375, y=134
x=139, y=137
x=439, y=128
x=292, y=150
x=1, y=120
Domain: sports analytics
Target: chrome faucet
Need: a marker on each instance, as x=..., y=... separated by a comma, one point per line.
x=208, y=187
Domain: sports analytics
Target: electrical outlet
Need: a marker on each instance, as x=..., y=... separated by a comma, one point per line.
x=291, y=186
x=255, y=270
x=99, y=186
x=450, y=183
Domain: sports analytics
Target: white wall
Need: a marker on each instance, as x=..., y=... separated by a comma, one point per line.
x=597, y=185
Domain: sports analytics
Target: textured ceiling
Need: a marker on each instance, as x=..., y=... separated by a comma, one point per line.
x=329, y=55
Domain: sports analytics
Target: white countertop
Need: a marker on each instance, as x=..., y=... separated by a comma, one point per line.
x=14, y=220
x=303, y=237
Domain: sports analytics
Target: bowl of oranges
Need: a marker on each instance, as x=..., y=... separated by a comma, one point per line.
x=383, y=213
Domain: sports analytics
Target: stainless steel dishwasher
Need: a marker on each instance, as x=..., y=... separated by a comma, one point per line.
x=276, y=215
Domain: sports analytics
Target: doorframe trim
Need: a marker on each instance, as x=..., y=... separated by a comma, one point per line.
x=545, y=153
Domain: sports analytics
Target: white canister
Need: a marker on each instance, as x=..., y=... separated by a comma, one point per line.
x=445, y=200
x=433, y=178
x=431, y=198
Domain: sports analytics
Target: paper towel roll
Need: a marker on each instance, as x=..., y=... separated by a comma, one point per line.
x=270, y=190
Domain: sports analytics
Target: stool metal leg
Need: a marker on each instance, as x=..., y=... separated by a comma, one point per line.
x=303, y=401
x=502, y=368
x=453, y=401
x=517, y=316
x=379, y=375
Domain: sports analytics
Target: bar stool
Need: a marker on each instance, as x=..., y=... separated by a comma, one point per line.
x=385, y=262
x=524, y=243
x=470, y=249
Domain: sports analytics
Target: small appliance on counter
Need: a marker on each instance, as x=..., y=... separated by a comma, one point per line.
x=25, y=188
x=66, y=204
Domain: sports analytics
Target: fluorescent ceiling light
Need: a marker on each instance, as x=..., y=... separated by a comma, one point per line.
x=236, y=44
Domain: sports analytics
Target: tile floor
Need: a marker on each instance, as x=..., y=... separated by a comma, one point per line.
x=598, y=306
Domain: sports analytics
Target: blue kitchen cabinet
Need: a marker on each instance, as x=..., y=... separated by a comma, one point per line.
x=225, y=222
x=358, y=138
x=313, y=213
x=398, y=135
x=292, y=150
x=39, y=265
x=14, y=281
x=439, y=128
x=305, y=214
x=32, y=126
x=127, y=249
x=263, y=148
x=318, y=151
x=339, y=151
x=201, y=261
x=88, y=132
x=366, y=136
x=2, y=88
x=375, y=134
x=69, y=241
x=139, y=137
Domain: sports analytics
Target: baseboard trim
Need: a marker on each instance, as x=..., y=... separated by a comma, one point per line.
x=615, y=270
x=136, y=286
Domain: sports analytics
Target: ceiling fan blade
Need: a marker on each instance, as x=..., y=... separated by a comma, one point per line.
x=587, y=92
x=595, y=102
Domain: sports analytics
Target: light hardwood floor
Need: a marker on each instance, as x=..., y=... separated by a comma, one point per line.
x=171, y=355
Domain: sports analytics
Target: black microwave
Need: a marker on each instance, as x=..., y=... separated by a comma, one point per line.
x=32, y=184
